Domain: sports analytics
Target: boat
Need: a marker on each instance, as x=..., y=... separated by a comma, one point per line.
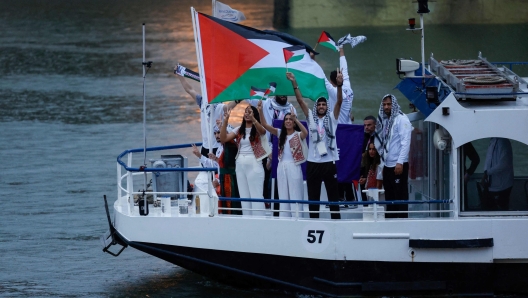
x=448, y=245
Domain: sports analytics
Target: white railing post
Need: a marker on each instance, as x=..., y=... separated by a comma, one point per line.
x=130, y=187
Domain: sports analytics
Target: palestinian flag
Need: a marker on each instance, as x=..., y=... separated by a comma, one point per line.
x=293, y=54
x=327, y=41
x=271, y=89
x=257, y=93
x=232, y=57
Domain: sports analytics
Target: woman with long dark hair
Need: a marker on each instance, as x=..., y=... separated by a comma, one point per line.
x=370, y=162
x=253, y=146
x=292, y=153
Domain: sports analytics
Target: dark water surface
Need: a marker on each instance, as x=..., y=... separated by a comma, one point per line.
x=71, y=101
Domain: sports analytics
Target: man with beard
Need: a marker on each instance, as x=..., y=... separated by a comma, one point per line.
x=322, y=148
x=274, y=108
x=394, y=130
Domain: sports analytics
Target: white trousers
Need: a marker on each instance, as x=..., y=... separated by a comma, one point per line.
x=250, y=179
x=290, y=186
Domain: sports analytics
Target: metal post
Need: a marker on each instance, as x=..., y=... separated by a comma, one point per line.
x=423, y=49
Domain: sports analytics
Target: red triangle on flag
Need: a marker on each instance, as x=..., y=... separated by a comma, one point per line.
x=226, y=55
x=323, y=37
x=287, y=55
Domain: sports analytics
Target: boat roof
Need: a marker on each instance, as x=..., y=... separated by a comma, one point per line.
x=468, y=121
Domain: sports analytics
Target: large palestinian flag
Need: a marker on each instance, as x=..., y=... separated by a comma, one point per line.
x=233, y=57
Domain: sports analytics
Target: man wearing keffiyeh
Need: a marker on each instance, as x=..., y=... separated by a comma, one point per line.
x=394, y=130
x=322, y=149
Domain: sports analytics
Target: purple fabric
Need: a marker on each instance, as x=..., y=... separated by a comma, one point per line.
x=349, y=143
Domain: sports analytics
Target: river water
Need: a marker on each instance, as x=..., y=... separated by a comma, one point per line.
x=71, y=101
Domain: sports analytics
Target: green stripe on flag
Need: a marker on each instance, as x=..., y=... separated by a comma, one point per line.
x=329, y=45
x=295, y=58
x=311, y=86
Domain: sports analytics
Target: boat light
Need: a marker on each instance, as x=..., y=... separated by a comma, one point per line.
x=412, y=23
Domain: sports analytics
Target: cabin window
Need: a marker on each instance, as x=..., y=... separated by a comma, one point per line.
x=507, y=185
x=419, y=178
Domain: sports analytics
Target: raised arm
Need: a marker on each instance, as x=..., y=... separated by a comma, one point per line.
x=337, y=107
x=224, y=136
x=291, y=77
x=263, y=121
x=231, y=105
x=260, y=129
x=188, y=88
x=304, y=131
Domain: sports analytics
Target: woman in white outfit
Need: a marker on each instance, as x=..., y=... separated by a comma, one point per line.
x=253, y=147
x=292, y=153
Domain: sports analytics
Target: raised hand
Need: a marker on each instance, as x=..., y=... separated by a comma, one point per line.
x=292, y=114
x=212, y=156
x=290, y=76
x=339, y=77
x=227, y=114
x=259, y=105
x=195, y=151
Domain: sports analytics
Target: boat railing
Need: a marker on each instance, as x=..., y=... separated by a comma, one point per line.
x=510, y=64
x=372, y=211
x=130, y=195
x=127, y=196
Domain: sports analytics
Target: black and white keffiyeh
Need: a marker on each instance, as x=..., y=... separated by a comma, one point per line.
x=384, y=124
x=353, y=41
x=327, y=125
x=279, y=109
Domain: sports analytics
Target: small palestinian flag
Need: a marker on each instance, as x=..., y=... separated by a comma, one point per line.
x=271, y=89
x=327, y=41
x=295, y=53
x=257, y=93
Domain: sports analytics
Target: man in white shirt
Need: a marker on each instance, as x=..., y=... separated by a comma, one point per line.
x=394, y=129
x=205, y=113
x=348, y=93
x=322, y=148
x=346, y=192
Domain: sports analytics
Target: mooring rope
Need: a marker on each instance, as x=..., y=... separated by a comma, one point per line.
x=484, y=80
x=461, y=62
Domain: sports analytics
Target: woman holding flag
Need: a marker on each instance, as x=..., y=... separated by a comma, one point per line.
x=292, y=153
x=253, y=147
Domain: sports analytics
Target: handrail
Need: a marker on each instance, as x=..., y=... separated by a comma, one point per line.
x=335, y=203
x=510, y=63
x=490, y=94
x=160, y=148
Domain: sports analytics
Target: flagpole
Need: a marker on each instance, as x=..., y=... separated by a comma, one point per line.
x=205, y=100
x=144, y=63
x=315, y=46
x=214, y=5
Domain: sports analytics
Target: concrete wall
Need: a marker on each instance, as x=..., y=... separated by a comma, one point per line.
x=345, y=13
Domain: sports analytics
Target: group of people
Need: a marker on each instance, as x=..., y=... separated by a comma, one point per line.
x=243, y=154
